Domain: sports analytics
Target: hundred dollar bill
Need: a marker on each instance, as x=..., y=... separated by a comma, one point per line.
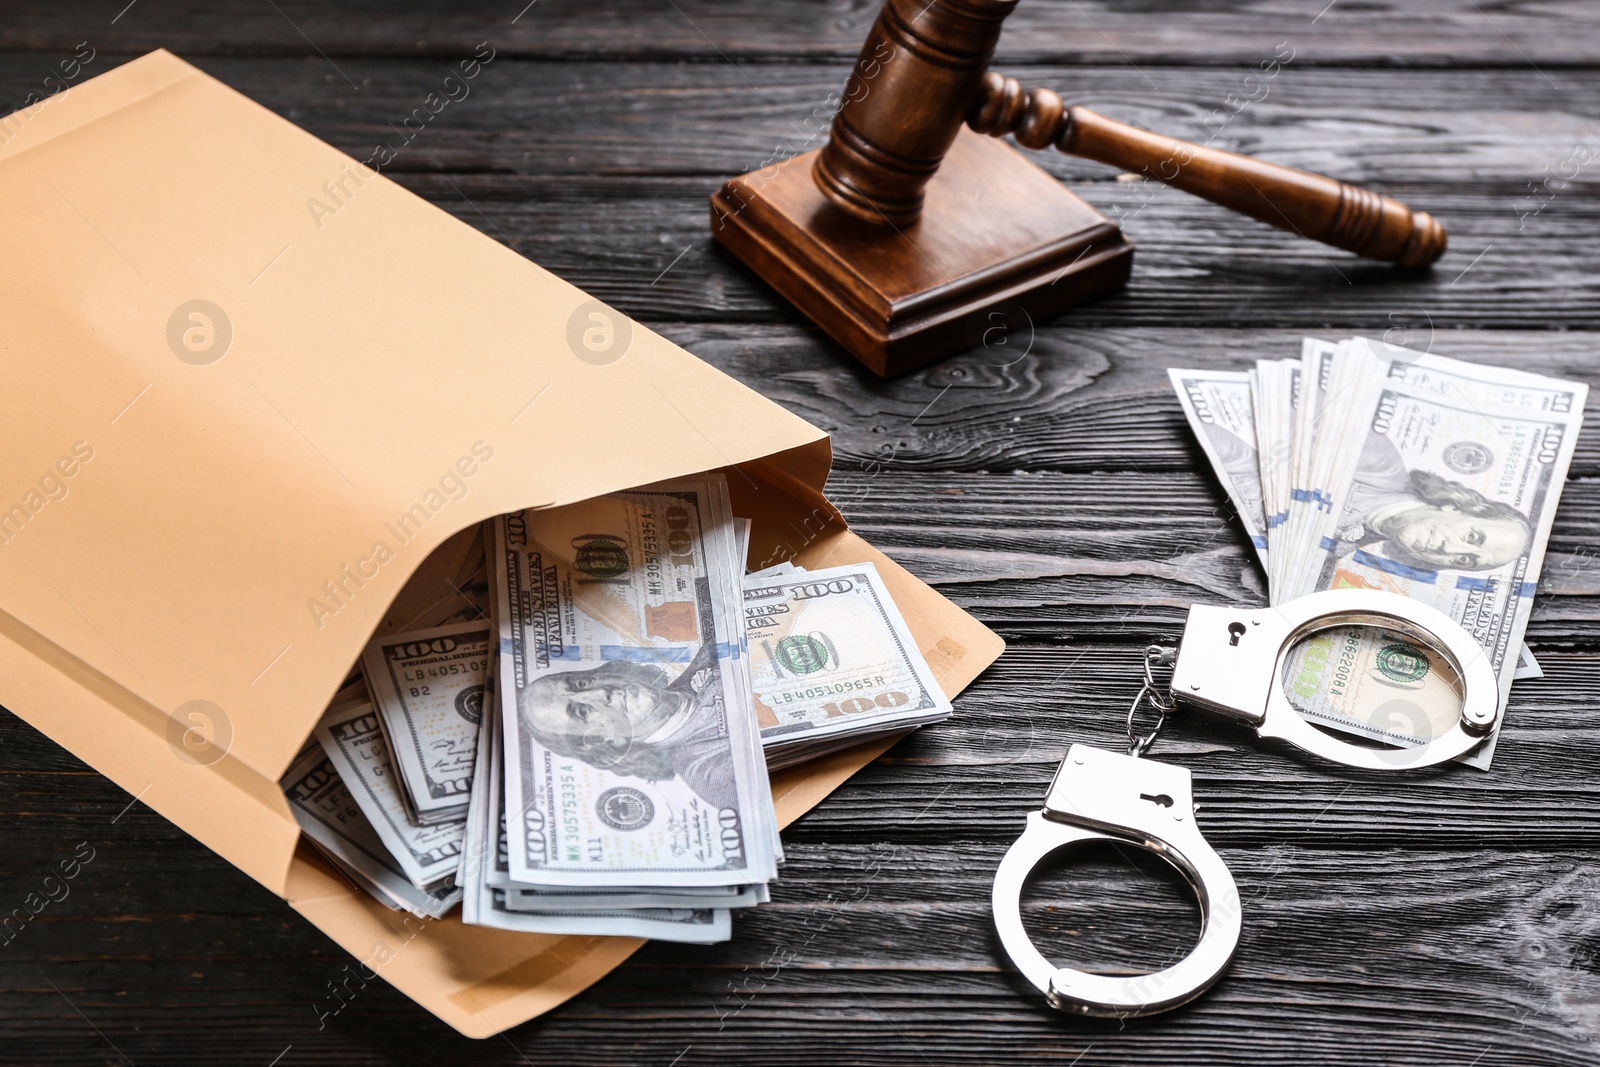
x=428, y=686
x=698, y=926
x=485, y=856
x=329, y=815
x=831, y=655
x=1218, y=407
x=1451, y=504
x=1277, y=408
x=1472, y=383
x=628, y=758
x=578, y=898
x=1338, y=401
x=354, y=742
x=506, y=908
x=1454, y=379
x=776, y=571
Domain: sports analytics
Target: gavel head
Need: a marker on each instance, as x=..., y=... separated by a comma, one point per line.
x=919, y=73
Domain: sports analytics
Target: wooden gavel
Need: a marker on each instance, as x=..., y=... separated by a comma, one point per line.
x=924, y=72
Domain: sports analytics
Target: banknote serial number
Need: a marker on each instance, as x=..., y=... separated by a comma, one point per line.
x=853, y=685
x=570, y=824
x=474, y=668
x=1309, y=679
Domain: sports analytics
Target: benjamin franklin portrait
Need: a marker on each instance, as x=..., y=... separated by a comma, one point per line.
x=1424, y=520
x=631, y=719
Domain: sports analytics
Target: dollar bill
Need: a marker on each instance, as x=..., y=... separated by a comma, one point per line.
x=353, y=741
x=775, y=571
x=698, y=926
x=508, y=907
x=331, y=818
x=485, y=856
x=629, y=759
x=831, y=658
x=532, y=899
x=1451, y=504
x=1471, y=383
x=1474, y=383
x=1277, y=396
x=1219, y=409
x=428, y=687
x=627, y=792
x=1337, y=400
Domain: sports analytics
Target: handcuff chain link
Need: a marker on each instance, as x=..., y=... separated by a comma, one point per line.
x=1155, y=695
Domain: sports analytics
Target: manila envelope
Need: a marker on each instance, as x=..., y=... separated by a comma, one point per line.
x=251, y=386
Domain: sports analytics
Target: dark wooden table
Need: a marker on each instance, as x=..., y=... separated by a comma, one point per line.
x=1047, y=484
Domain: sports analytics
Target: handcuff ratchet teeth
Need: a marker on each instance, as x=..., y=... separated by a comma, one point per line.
x=1230, y=663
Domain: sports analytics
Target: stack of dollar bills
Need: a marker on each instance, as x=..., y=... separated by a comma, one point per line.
x=1366, y=465
x=575, y=737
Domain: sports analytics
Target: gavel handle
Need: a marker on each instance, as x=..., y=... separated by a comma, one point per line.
x=1323, y=209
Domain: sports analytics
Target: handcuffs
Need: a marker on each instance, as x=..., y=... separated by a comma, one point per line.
x=1230, y=664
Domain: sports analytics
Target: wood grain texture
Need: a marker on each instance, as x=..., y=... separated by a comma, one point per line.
x=1433, y=33
x=1046, y=482
x=1194, y=264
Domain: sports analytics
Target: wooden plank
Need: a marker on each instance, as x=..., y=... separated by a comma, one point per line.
x=1081, y=400
x=1427, y=33
x=714, y=120
x=1348, y=958
x=1517, y=260
x=1195, y=264
x=1052, y=556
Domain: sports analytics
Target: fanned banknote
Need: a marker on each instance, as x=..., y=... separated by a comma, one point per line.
x=1221, y=412
x=428, y=687
x=330, y=816
x=1220, y=409
x=1398, y=470
x=354, y=742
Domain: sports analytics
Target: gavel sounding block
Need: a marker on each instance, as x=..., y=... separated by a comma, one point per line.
x=998, y=240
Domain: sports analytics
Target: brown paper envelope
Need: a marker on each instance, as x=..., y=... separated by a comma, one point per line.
x=185, y=520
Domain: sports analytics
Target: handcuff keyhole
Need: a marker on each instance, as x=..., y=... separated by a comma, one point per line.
x=1235, y=631
x=1157, y=798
